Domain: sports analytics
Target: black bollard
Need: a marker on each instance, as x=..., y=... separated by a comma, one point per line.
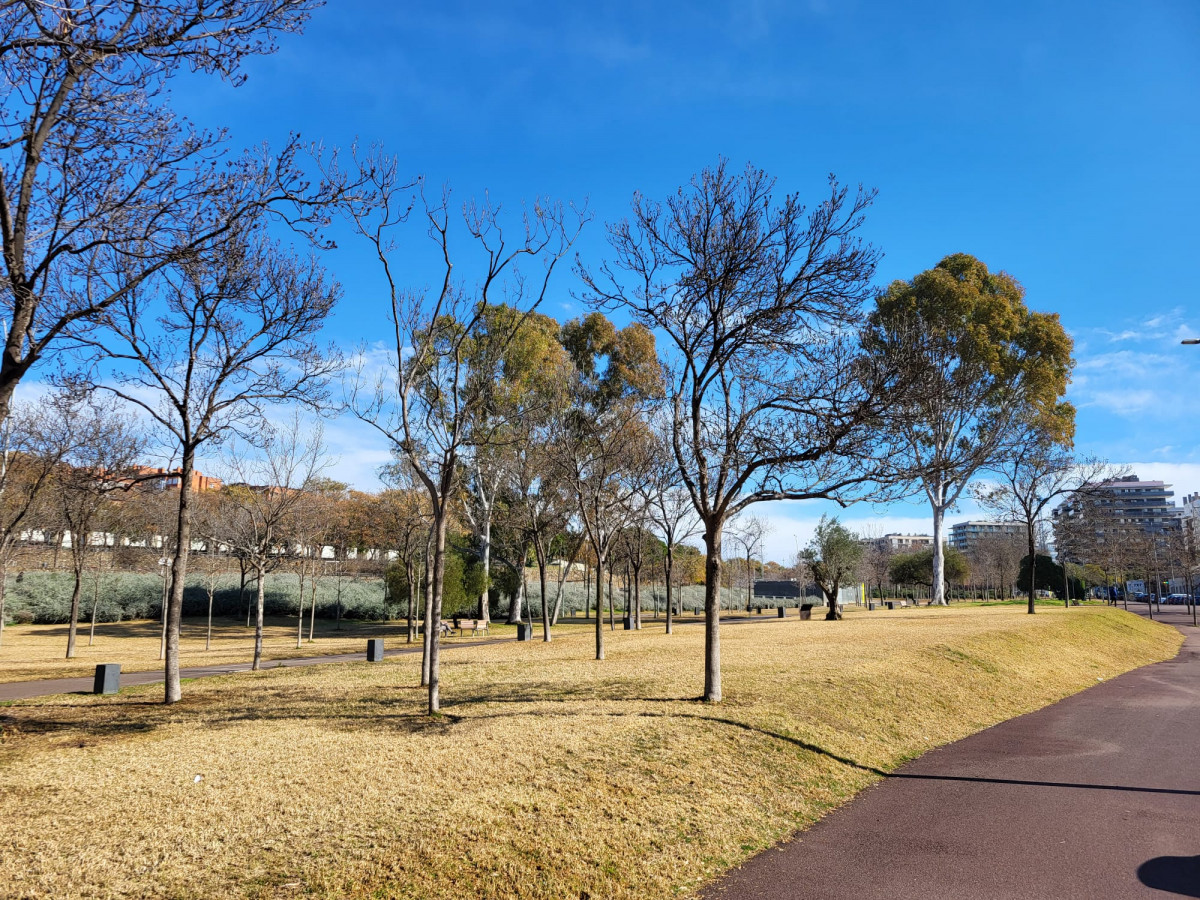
x=108, y=678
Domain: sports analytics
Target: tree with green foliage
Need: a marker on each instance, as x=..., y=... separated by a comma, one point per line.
x=518, y=368
x=1046, y=574
x=979, y=364
x=463, y=580
x=918, y=567
x=832, y=556
x=603, y=444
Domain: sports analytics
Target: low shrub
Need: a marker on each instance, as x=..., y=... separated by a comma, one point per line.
x=45, y=597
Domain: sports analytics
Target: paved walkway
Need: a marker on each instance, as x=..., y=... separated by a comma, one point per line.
x=1095, y=797
x=25, y=690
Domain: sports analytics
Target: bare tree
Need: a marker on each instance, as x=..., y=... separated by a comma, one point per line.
x=1038, y=471
x=403, y=525
x=102, y=461
x=102, y=184
x=422, y=401
x=34, y=440
x=672, y=512
x=210, y=526
x=539, y=503
x=601, y=452
x=749, y=532
x=203, y=348
x=264, y=490
x=877, y=557
x=760, y=304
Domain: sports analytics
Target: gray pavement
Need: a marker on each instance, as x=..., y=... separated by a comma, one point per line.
x=26, y=690
x=1095, y=797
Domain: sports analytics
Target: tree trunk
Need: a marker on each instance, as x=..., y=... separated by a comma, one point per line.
x=258, y=619
x=599, y=606
x=637, y=598
x=76, y=591
x=312, y=602
x=545, y=602
x=670, y=567
x=435, y=643
x=427, y=612
x=612, y=618
x=208, y=637
x=172, y=690
x=517, y=604
x=338, y=612
x=3, y=583
x=242, y=588
x=515, y=614
x=539, y=553
x=712, y=612
x=412, y=598
x=95, y=603
x=749, y=583
x=485, y=537
x=1030, y=535
x=938, y=594
x=300, y=614
x=835, y=606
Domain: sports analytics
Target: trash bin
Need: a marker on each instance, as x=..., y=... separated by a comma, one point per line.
x=806, y=611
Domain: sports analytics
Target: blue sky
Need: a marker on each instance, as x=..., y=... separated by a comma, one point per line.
x=1055, y=141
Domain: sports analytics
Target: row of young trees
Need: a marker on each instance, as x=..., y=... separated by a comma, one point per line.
x=760, y=362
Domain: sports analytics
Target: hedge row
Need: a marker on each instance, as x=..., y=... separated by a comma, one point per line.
x=45, y=597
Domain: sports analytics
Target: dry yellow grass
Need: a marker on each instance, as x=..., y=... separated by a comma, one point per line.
x=37, y=651
x=550, y=775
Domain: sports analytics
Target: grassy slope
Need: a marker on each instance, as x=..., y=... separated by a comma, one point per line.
x=551, y=775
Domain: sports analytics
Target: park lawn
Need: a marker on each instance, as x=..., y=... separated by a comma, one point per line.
x=549, y=775
x=37, y=651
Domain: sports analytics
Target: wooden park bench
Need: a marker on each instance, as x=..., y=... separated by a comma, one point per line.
x=475, y=626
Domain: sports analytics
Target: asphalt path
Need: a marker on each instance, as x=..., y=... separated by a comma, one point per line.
x=26, y=690
x=46, y=687
x=1095, y=797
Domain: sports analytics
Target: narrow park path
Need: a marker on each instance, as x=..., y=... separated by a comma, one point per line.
x=46, y=687
x=26, y=690
x=1096, y=797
